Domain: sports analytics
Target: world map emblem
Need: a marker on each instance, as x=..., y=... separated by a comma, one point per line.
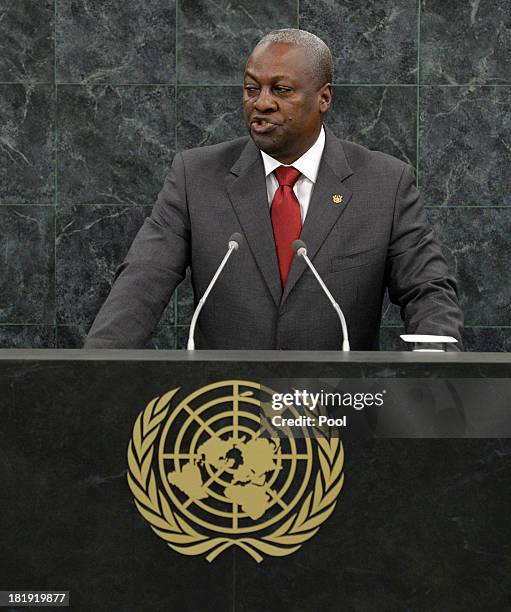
x=208, y=472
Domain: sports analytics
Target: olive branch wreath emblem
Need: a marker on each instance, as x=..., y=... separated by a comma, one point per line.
x=182, y=537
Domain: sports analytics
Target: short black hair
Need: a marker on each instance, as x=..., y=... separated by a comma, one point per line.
x=322, y=63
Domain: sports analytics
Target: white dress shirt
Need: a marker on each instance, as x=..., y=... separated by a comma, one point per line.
x=307, y=164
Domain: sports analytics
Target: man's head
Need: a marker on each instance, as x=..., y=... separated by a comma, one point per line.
x=287, y=90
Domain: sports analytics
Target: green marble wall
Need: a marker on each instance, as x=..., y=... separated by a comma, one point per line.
x=96, y=96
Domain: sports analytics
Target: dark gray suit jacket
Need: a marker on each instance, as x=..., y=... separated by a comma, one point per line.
x=377, y=237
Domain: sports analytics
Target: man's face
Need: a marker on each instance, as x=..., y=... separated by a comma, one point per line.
x=282, y=102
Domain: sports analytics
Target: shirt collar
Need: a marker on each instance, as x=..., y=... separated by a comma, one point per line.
x=307, y=164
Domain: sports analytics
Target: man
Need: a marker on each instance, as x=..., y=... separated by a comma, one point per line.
x=358, y=212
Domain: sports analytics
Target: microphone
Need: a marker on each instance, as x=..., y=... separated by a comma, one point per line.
x=234, y=244
x=301, y=250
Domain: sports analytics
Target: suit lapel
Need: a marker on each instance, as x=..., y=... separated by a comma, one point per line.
x=323, y=213
x=249, y=198
x=246, y=187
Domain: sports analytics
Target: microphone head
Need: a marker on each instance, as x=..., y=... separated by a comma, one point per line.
x=235, y=240
x=299, y=248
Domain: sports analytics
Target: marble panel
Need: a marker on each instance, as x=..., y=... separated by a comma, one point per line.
x=390, y=312
x=465, y=146
x=92, y=241
x=27, y=336
x=380, y=118
x=216, y=38
x=27, y=281
x=390, y=340
x=26, y=34
x=164, y=337
x=116, y=41
x=27, y=144
x=115, y=143
x=71, y=336
x=182, y=336
x=208, y=115
x=371, y=42
x=478, y=249
x=488, y=339
x=465, y=42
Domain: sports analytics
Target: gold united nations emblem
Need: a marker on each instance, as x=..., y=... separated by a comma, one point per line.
x=208, y=472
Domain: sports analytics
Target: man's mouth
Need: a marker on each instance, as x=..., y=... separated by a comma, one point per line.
x=262, y=126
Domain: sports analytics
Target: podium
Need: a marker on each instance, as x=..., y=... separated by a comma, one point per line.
x=421, y=522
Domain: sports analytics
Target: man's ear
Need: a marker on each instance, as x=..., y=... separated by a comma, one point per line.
x=325, y=98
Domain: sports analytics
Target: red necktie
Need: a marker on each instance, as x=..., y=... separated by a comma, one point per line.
x=286, y=217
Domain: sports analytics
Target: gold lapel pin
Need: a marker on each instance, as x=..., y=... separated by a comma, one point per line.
x=337, y=199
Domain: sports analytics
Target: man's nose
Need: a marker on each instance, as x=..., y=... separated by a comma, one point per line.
x=265, y=101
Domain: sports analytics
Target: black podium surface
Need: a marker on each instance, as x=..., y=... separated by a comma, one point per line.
x=421, y=522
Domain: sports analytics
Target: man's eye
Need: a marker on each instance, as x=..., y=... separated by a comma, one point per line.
x=251, y=88
x=280, y=89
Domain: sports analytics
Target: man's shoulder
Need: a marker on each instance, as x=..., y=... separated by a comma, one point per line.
x=362, y=158
x=365, y=165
